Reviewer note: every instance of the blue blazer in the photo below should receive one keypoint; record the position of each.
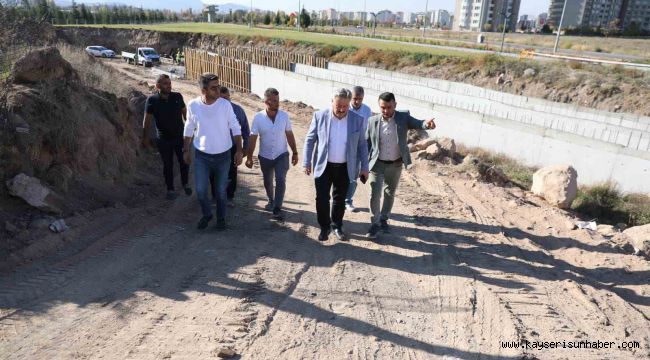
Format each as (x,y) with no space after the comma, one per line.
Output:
(316,144)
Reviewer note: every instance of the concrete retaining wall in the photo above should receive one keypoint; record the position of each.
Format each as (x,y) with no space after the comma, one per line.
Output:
(601,146)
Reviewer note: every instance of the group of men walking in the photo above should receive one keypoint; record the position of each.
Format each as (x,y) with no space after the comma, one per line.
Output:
(345,143)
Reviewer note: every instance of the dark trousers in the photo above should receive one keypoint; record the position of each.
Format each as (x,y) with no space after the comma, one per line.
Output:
(167,149)
(232,177)
(335,179)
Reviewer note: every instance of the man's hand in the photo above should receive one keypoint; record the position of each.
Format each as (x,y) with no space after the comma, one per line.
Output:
(238,158)
(187,156)
(363,175)
(430,124)
(294,159)
(249,162)
(307,171)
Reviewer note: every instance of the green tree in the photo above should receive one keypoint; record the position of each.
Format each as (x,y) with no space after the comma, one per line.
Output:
(267,18)
(43,10)
(59,16)
(278,19)
(83,13)
(75,15)
(633,30)
(305,19)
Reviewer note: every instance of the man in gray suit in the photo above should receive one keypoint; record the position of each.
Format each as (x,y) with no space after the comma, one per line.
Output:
(387,143)
(336,152)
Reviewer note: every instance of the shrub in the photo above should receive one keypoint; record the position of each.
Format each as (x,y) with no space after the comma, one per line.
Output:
(608,205)
(491,65)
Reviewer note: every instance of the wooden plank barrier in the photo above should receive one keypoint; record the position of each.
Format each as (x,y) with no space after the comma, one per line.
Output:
(232,64)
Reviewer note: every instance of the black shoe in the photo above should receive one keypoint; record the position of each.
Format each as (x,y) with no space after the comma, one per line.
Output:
(372,232)
(384,226)
(188,190)
(340,235)
(278,214)
(171,195)
(221,225)
(324,234)
(203,223)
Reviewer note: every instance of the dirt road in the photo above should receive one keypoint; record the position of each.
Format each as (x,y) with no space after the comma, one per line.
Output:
(467,266)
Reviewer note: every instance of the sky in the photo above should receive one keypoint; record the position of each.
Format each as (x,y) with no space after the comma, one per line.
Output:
(528,7)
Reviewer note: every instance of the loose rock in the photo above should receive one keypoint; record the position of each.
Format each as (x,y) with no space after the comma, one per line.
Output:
(558,185)
(35,193)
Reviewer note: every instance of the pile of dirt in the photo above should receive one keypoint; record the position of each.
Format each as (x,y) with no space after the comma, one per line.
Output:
(443,151)
(79,143)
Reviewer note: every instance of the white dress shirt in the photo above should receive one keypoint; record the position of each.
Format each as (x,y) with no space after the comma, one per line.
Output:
(338,140)
(211,125)
(273,134)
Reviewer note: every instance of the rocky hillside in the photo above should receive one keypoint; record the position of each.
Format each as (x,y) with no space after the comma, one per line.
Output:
(64,147)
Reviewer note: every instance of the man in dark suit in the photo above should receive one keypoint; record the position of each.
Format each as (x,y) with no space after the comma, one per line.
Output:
(336,152)
(387,144)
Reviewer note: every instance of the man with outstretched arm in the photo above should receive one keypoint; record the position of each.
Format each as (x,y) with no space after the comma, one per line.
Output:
(387,144)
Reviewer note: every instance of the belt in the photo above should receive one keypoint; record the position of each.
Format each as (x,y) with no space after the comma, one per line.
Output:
(337,164)
(390,162)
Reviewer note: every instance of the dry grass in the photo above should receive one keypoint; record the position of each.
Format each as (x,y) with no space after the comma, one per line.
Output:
(8,58)
(92,72)
(603,202)
(606,203)
(513,169)
(628,46)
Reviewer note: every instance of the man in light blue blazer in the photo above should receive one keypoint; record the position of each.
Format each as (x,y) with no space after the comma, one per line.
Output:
(336,152)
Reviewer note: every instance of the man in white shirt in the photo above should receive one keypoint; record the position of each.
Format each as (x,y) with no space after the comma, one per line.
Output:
(273,127)
(358,107)
(336,152)
(210,121)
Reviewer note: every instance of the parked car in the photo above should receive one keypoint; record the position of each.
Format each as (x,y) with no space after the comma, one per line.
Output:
(144,56)
(100,51)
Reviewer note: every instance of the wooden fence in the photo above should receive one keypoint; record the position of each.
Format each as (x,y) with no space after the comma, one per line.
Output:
(233,73)
(278,59)
(233,64)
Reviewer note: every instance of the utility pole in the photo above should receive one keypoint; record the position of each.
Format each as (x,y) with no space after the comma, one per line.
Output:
(559,28)
(506,17)
(426,14)
(364,17)
(250,16)
(299,16)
